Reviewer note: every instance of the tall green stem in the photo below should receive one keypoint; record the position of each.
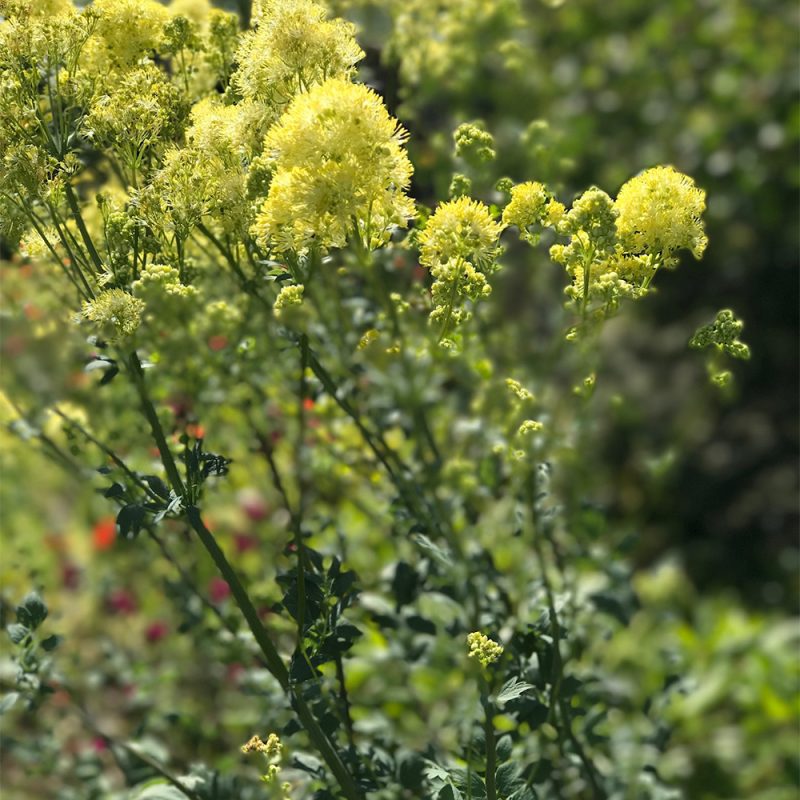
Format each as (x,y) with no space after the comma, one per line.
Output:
(273,659)
(491,749)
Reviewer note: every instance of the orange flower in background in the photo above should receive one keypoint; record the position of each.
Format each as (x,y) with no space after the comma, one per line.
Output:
(104,533)
(196,430)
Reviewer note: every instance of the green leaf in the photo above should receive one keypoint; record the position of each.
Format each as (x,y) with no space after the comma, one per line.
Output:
(17,633)
(513,689)
(449,792)
(157,486)
(508,778)
(160,791)
(51,642)
(525,793)
(431,549)
(8,702)
(130,520)
(32,611)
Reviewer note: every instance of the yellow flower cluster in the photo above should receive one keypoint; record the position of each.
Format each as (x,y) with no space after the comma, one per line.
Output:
(339,170)
(271,750)
(293,48)
(723,334)
(616,247)
(132,118)
(518,390)
(532,205)
(481,647)
(459,245)
(161,280)
(659,212)
(116,310)
(272,747)
(461,229)
(230,132)
(288,297)
(130,29)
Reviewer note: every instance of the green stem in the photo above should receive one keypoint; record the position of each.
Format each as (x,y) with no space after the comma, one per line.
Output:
(451,300)
(87,240)
(297,518)
(135,368)
(491,750)
(273,660)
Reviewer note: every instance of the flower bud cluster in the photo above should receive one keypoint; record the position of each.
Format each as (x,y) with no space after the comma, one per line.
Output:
(484,649)
(723,334)
(459,244)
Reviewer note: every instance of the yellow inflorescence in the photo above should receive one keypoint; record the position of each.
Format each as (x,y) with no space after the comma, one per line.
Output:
(340,169)
(486,650)
(660,211)
(116,309)
(293,48)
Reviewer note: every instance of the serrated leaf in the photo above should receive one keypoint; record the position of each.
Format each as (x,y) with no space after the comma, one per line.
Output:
(17,632)
(513,689)
(508,778)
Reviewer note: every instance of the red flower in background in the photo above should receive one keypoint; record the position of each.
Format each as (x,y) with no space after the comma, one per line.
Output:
(121,601)
(217,343)
(104,533)
(156,631)
(70,575)
(244,542)
(253,505)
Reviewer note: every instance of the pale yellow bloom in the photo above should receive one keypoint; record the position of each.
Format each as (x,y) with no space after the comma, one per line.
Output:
(660,211)
(340,169)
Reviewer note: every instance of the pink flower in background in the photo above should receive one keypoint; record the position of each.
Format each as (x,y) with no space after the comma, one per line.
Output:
(121,601)
(156,631)
(244,542)
(218,590)
(253,504)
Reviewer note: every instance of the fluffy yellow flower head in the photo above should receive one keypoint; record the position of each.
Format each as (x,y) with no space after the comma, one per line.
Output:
(459,245)
(130,28)
(340,168)
(227,131)
(293,48)
(660,211)
(532,205)
(115,309)
(142,109)
(461,229)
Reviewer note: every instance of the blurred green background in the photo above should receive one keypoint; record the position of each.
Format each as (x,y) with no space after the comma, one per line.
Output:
(580,93)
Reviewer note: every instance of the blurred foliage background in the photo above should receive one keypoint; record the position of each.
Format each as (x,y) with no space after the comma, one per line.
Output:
(580,93)
(700,486)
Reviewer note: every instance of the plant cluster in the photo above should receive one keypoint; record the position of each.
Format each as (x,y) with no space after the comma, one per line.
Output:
(222,229)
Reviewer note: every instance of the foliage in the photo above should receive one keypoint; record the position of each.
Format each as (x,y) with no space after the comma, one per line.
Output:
(336,504)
